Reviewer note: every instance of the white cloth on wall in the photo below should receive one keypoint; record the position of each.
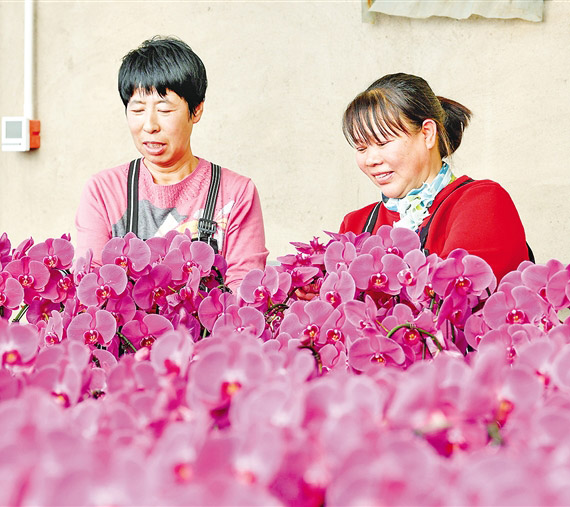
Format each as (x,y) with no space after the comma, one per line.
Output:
(529,10)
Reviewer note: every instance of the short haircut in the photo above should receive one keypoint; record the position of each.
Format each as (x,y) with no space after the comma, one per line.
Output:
(162,64)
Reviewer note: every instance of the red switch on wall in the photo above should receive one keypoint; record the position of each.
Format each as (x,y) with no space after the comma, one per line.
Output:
(34,134)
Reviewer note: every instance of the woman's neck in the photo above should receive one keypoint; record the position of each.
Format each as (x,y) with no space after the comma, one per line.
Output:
(172,174)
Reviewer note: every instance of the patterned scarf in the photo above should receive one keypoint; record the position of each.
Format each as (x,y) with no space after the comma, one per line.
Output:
(413,207)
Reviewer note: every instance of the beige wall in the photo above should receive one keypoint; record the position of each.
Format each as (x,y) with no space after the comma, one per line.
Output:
(280,76)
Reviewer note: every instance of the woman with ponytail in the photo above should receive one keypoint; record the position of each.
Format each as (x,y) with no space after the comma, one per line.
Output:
(403,134)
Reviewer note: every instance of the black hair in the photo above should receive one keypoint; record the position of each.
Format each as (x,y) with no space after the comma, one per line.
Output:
(401,103)
(162,64)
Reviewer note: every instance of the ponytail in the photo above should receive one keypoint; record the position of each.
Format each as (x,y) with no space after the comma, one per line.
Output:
(456,118)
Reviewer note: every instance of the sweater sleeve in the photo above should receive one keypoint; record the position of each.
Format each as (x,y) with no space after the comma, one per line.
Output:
(92,222)
(484,221)
(244,244)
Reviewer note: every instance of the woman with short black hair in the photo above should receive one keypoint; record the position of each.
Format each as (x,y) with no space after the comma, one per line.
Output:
(163,84)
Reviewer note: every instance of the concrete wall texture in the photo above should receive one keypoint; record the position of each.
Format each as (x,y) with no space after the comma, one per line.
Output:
(281,74)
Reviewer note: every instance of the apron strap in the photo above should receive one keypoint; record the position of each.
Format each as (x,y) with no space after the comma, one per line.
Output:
(133,196)
(206,225)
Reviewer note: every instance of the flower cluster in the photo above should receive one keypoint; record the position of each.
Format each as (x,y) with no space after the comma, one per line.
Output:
(356,372)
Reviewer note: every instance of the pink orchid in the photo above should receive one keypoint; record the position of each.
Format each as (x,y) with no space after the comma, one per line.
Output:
(54,253)
(339,255)
(338,288)
(32,275)
(18,344)
(372,351)
(301,276)
(93,327)
(398,240)
(223,366)
(558,289)
(308,321)
(516,305)
(463,274)
(214,305)
(95,289)
(265,288)
(11,291)
(60,371)
(185,256)
(53,331)
(416,275)
(152,289)
(5,247)
(142,332)
(122,308)
(83,266)
(171,353)
(21,250)
(376,272)
(129,253)
(239,321)
(41,310)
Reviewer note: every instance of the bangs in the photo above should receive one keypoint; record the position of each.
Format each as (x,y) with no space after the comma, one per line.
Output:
(371,119)
(150,77)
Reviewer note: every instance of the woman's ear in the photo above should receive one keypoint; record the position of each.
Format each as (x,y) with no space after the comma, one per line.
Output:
(198,113)
(429,131)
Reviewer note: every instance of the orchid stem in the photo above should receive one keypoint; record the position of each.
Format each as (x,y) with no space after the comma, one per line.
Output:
(21,313)
(126,340)
(419,330)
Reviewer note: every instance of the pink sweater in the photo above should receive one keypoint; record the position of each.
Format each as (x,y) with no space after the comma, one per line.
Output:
(241,239)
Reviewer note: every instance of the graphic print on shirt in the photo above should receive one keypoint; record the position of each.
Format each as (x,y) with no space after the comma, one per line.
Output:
(156,222)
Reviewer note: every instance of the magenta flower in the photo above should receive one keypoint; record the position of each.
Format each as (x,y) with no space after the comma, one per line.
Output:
(414,277)
(32,275)
(339,255)
(95,289)
(93,327)
(338,288)
(5,247)
(83,266)
(40,310)
(264,288)
(558,289)
(142,332)
(214,305)
(185,256)
(377,272)
(463,274)
(122,308)
(11,291)
(22,249)
(129,252)
(302,276)
(18,344)
(516,305)
(398,240)
(372,351)
(171,353)
(52,332)
(241,321)
(153,288)
(54,253)
(307,321)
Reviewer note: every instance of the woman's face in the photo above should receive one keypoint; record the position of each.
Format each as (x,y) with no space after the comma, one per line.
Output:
(399,163)
(161,128)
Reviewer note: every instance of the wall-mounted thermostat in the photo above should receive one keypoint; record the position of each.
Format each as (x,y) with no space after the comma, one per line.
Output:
(20,133)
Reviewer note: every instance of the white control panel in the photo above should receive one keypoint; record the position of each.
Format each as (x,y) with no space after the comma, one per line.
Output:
(15,133)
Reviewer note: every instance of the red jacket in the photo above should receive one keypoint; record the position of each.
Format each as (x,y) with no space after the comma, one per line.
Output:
(479,217)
